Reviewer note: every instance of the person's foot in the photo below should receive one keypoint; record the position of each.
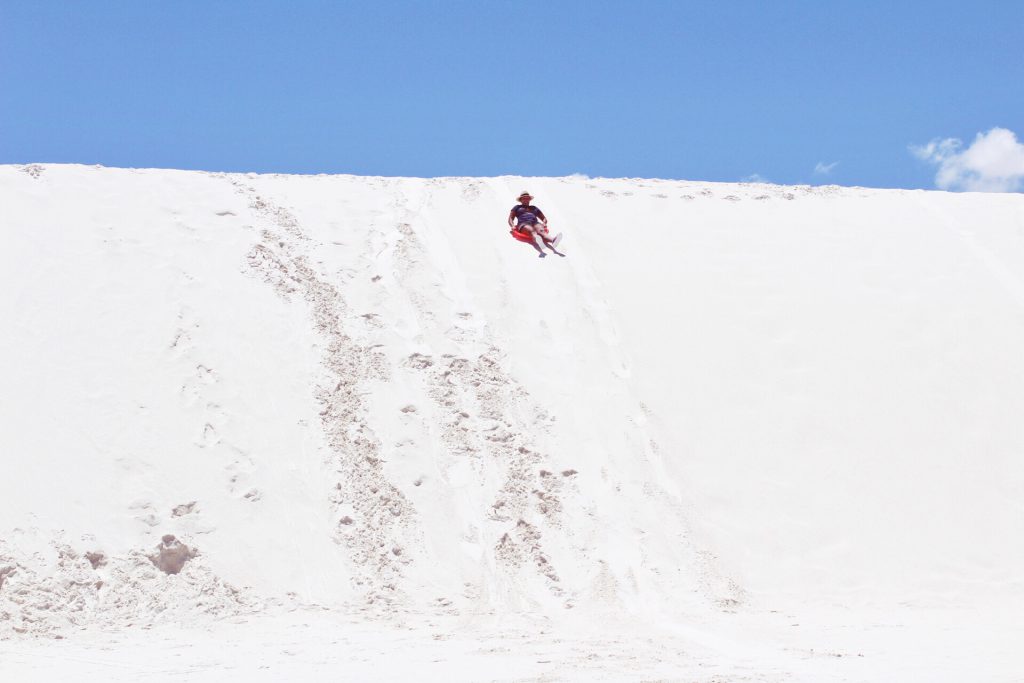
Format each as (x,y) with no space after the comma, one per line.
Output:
(541,255)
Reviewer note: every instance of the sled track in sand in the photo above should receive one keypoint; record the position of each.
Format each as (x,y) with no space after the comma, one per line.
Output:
(486,418)
(381,526)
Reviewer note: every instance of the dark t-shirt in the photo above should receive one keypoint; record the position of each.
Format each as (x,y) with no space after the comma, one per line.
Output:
(527,215)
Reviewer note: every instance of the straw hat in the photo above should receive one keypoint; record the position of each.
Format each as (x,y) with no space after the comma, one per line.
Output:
(524,194)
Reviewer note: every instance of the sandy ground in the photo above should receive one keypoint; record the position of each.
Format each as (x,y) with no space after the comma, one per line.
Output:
(325,645)
(322,426)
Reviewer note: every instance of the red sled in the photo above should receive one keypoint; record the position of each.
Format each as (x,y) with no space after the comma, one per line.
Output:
(524,236)
(521,235)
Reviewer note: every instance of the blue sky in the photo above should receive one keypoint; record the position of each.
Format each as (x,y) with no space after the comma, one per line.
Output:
(714,90)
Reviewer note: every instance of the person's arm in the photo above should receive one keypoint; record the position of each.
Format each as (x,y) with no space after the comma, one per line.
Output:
(541,216)
(511,216)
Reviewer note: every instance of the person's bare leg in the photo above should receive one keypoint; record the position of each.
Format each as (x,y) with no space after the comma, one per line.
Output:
(549,241)
(545,235)
(538,240)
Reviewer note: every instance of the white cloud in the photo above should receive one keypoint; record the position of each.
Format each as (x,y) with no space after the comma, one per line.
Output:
(824,169)
(754,178)
(993,163)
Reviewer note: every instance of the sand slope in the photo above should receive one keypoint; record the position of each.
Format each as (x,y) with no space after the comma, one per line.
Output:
(747,403)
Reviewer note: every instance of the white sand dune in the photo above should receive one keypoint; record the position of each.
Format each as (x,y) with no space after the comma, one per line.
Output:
(738,432)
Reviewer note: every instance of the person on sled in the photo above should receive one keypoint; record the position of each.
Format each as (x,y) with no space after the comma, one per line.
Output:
(527,218)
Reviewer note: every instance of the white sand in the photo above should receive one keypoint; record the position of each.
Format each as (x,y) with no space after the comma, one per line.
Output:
(740,432)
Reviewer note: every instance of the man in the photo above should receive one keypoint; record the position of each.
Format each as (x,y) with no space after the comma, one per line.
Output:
(530,219)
